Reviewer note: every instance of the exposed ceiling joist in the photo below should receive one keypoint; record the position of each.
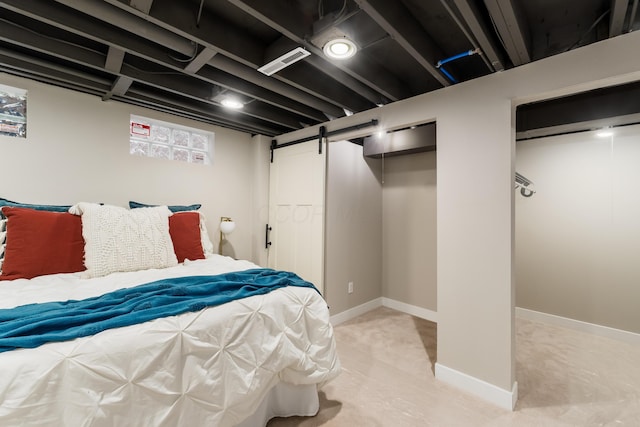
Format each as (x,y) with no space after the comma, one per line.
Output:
(115,56)
(513,29)
(143,6)
(119,88)
(160,35)
(632,16)
(181,18)
(200,60)
(30,39)
(481,34)
(183,108)
(55,74)
(467,33)
(235,68)
(47,12)
(278,16)
(190,88)
(127,74)
(267,95)
(396,20)
(616,17)
(215,34)
(319,65)
(136,25)
(345,96)
(182,57)
(121,85)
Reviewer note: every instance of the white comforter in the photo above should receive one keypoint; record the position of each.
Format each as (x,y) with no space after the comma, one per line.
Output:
(207,368)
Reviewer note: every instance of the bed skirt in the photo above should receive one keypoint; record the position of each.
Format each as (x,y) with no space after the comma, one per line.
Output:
(285,400)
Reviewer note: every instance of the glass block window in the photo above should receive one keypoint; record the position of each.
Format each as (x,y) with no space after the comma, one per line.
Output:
(163,140)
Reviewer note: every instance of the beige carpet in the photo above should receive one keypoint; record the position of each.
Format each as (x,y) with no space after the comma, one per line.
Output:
(565,378)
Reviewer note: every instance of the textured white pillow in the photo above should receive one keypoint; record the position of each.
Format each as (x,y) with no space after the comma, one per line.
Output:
(119,239)
(207,245)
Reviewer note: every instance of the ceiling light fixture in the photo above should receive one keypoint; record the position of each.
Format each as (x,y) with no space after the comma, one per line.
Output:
(340,48)
(232,103)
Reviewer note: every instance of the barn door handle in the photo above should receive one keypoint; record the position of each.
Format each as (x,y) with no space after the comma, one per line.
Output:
(267,243)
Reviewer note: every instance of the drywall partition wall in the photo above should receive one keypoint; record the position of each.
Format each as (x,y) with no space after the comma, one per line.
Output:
(578,237)
(353,232)
(474,211)
(77,149)
(475,199)
(409,230)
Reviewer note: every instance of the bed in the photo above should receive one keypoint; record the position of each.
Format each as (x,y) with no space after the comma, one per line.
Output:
(235,364)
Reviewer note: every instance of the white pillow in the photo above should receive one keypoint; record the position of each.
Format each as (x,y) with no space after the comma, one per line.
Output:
(207,244)
(119,239)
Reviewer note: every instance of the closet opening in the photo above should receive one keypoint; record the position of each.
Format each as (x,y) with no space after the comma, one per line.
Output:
(575,271)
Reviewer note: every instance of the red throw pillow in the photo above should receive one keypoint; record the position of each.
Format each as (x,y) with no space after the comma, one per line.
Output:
(184,228)
(41,242)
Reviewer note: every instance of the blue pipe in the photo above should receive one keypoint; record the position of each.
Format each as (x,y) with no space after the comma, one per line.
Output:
(453,58)
(448,75)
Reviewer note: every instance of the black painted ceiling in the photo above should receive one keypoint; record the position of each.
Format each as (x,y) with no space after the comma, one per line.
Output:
(183,56)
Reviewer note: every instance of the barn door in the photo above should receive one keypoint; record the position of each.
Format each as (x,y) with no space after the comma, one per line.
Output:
(296,211)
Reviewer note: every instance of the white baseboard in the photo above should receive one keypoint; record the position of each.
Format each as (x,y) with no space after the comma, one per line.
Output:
(500,397)
(413,310)
(577,325)
(355,311)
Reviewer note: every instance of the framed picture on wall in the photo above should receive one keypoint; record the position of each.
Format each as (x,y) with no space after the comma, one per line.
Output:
(13,111)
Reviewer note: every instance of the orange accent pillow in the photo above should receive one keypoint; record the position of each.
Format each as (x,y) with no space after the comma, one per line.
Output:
(41,242)
(184,228)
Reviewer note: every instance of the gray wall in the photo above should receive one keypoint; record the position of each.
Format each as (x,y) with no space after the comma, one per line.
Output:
(409,230)
(77,149)
(353,245)
(475,199)
(578,237)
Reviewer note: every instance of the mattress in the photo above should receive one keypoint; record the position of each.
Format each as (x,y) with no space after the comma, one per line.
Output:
(211,367)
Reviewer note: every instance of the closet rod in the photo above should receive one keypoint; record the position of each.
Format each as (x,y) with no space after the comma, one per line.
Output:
(524,183)
(520,179)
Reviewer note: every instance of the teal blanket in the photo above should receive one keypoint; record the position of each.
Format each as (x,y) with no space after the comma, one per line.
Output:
(32,325)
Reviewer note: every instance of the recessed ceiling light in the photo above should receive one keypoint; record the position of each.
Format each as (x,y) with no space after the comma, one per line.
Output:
(340,48)
(232,103)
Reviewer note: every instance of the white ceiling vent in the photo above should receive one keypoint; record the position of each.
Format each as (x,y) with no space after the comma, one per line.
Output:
(284,61)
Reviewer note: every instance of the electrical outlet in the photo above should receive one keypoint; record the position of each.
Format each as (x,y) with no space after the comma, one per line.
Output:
(350,287)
